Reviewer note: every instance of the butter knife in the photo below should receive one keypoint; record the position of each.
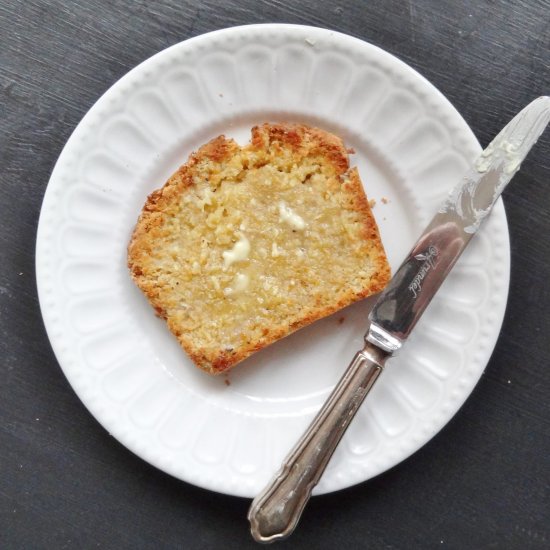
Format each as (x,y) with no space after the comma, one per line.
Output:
(275,512)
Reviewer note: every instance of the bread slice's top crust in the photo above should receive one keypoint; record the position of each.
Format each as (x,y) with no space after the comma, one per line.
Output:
(244,245)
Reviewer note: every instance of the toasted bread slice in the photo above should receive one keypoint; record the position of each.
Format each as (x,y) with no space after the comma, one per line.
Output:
(244,245)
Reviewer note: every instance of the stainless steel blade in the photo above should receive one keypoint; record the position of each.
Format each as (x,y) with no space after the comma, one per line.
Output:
(421,274)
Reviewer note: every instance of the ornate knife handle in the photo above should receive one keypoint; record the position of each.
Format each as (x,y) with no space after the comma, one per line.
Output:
(275,512)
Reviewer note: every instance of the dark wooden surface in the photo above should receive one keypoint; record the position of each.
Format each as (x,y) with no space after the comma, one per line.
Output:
(483,482)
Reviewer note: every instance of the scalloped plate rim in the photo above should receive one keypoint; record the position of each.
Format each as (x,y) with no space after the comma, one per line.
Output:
(56,339)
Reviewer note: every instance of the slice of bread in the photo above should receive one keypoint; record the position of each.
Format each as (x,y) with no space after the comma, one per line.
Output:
(244,245)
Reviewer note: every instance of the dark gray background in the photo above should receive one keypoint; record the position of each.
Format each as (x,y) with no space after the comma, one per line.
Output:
(483,482)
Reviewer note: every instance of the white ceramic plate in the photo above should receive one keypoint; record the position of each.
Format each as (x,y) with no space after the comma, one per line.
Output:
(411,146)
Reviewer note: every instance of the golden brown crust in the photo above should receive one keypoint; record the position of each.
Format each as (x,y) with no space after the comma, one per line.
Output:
(304,141)
(370,233)
(300,157)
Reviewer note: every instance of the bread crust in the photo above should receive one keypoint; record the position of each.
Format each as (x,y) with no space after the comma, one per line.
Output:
(269,143)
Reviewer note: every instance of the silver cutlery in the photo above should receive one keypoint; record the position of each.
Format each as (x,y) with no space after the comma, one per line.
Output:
(275,512)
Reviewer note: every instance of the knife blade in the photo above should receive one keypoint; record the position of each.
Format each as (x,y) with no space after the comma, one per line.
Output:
(419,277)
(275,512)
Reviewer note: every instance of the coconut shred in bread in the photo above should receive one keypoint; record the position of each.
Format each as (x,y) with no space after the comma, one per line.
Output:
(244,245)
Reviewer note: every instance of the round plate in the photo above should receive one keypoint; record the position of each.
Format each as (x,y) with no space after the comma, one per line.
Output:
(230,434)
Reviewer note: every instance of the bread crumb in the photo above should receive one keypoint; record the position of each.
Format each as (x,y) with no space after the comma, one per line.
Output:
(227,382)
(372,203)
(20,273)
(310,41)
(350,150)
(385,200)
(220,94)
(341,320)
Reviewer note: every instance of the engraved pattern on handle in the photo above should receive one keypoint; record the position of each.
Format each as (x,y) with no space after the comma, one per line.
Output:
(275,512)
